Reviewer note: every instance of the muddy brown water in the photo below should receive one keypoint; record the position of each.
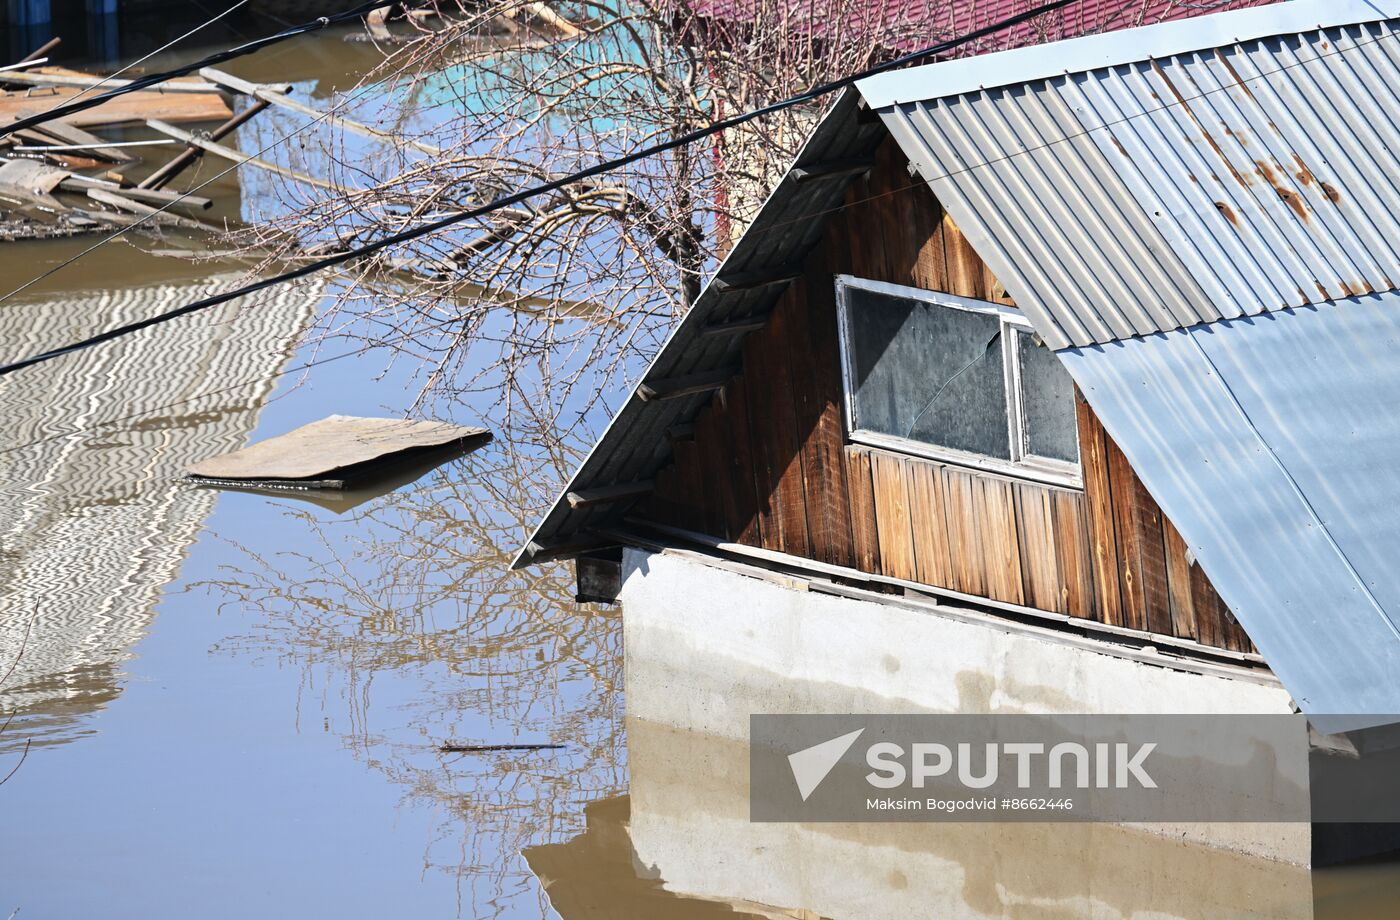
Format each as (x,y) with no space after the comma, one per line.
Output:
(231,704)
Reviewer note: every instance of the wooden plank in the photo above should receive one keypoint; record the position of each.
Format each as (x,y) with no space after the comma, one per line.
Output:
(235,156)
(691,487)
(1098,505)
(766,470)
(58,76)
(773,424)
(1152,559)
(892,523)
(924,485)
(739,326)
(1036,537)
(817,382)
(1073,557)
(710,435)
(965,278)
(1205,603)
(761,278)
(133,108)
(741,470)
(994,505)
(607,495)
(685,385)
(1127,536)
(784,454)
(921,212)
(1183,614)
(864,528)
(834,169)
(276,95)
(964,543)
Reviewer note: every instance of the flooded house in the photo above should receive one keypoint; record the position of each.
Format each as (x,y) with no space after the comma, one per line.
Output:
(1060,379)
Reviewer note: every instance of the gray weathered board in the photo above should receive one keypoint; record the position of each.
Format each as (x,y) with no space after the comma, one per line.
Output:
(337,452)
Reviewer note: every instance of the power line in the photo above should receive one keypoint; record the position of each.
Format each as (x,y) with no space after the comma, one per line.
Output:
(144,58)
(75,105)
(534,191)
(150,216)
(805,218)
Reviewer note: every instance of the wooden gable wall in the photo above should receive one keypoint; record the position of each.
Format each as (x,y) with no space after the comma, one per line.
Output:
(767,463)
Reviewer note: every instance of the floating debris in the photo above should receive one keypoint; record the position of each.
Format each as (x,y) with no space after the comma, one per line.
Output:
(337,453)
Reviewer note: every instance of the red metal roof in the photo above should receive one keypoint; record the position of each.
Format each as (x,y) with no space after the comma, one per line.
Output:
(906,25)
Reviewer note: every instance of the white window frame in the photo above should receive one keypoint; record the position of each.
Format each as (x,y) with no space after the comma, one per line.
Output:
(1022,464)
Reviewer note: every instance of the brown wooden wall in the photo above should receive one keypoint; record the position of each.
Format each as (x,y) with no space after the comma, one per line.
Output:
(768,464)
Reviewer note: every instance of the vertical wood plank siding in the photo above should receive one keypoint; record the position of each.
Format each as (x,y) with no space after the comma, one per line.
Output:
(768,464)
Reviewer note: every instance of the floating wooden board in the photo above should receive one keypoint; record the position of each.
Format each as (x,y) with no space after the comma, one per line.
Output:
(135,107)
(339,452)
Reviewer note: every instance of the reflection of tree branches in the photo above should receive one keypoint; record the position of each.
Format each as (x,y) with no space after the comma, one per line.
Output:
(23,643)
(413,590)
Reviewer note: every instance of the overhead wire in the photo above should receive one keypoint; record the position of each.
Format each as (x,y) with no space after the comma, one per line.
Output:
(136,63)
(518,197)
(806,217)
(75,105)
(156,212)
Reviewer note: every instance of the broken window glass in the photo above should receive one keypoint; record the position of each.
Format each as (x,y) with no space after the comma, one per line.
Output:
(937,370)
(928,373)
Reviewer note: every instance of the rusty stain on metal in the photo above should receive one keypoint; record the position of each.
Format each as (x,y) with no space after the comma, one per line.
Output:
(1229,212)
(1185,107)
(1234,74)
(1119,144)
(1331,192)
(1286,195)
(1323,291)
(1304,174)
(1347,290)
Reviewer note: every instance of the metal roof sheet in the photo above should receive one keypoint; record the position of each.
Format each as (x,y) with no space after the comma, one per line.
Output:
(1270,442)
(635,444)
(1182,173)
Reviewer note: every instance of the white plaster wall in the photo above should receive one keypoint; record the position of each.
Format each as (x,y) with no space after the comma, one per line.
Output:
(706,647)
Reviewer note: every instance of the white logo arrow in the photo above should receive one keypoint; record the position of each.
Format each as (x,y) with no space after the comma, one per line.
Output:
(811,765)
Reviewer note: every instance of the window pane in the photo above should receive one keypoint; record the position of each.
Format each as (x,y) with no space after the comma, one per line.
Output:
(1047,400)
(928,373)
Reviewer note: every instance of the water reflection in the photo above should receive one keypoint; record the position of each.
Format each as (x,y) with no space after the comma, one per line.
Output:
(92,525)
(409,632)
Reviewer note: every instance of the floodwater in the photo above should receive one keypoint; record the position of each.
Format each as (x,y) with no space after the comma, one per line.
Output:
(231,705)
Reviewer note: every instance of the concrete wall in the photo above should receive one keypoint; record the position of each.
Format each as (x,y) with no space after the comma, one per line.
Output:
(690,828)
(708,646)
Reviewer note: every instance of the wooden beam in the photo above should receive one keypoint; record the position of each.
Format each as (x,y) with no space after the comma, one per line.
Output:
(277,96)
(748,281)
(121,203)
(240,158)
(80,81)
(161,177)
(835,169)
(584,542)
(606,495)
(676,387)
(740,326)
(680,432)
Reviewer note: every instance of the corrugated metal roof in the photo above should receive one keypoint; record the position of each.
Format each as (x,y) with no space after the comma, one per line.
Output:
(789,224)
(1180,180)
(1271,443)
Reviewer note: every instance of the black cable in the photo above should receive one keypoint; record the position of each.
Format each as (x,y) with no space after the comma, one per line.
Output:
(518,197)
(220,57)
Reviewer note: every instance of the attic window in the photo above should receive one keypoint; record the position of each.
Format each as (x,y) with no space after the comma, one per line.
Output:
(965,381)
